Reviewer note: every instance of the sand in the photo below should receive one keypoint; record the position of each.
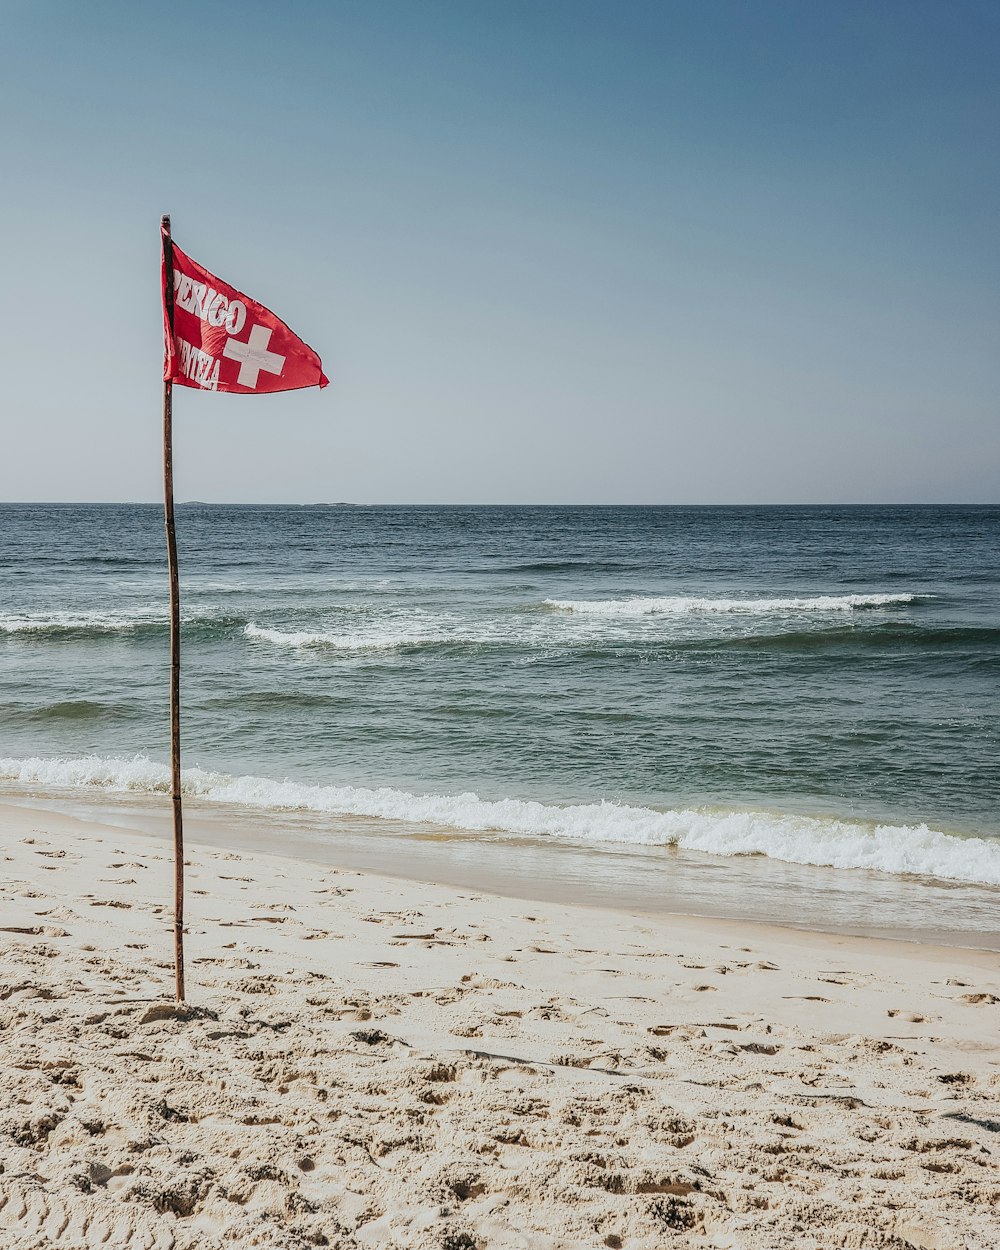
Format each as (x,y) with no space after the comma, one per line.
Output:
(369,1062)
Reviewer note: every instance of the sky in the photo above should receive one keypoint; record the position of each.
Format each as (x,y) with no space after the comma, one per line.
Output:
(686,251)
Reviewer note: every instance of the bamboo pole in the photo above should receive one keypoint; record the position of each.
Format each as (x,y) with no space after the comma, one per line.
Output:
(175,628)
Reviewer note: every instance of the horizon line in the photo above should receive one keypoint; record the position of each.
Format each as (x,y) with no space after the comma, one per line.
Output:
(286,503)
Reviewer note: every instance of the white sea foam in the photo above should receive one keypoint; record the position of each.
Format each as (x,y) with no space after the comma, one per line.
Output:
(394,630)
(379,639)
(680,605)
(796,839)
(75,622)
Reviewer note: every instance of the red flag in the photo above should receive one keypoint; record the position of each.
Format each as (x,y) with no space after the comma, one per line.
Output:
(224,341)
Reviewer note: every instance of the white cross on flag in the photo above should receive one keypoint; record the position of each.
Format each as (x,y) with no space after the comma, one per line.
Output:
(218,339)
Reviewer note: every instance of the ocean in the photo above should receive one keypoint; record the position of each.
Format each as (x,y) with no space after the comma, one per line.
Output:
(779,712)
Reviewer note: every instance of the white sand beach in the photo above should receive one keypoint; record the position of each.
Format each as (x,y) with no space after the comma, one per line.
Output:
(370,1062)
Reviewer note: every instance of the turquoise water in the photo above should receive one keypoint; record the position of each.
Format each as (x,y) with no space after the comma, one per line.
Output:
(816,685)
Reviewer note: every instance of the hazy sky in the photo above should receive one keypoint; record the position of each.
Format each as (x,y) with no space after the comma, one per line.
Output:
(678,251)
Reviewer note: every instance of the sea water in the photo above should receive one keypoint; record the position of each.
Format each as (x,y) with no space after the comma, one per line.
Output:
(786,706)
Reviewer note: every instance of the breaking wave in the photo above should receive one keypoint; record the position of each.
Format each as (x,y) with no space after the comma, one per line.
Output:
(81,626)
(78,624)
(827,842)
(394,631)
(330,640)
(680,605)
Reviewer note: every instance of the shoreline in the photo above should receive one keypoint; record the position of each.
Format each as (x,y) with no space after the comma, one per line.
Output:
(233,838)
(380,1062)
(635,881)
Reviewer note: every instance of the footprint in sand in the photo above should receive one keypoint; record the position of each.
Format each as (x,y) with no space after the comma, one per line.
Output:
(38,930)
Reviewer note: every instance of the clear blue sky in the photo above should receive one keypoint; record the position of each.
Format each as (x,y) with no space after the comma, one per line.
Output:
(698,251)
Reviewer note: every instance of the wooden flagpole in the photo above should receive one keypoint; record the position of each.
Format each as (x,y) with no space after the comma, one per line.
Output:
(175,627)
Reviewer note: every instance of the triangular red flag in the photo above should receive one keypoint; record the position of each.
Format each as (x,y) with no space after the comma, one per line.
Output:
(224,341)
